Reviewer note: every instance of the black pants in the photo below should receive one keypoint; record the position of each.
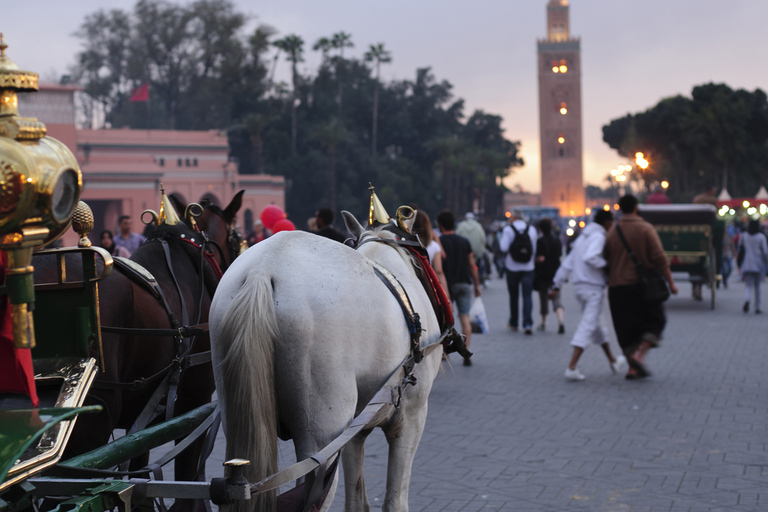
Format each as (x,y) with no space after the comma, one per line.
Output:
(634,319)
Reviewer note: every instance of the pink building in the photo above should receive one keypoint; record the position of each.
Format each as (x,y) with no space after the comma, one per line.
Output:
(123,168)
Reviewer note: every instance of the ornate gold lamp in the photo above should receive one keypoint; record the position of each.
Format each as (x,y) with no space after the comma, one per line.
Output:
(40,185)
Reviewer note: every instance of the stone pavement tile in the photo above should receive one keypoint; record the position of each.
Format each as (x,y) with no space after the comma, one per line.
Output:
(750,499)
(710,499)
(739,484)
(680,507)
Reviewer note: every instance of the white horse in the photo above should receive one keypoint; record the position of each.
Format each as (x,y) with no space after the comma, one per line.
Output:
(303,335)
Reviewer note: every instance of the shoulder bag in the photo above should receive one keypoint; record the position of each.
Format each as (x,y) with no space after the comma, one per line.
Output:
(653,284)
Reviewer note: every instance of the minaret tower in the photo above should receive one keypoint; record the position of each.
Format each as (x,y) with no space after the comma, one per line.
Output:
(559,62)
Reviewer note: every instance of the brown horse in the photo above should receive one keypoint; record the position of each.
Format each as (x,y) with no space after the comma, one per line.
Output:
(135,365)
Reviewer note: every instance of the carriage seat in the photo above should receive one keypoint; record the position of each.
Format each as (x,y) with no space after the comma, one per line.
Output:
(137,274)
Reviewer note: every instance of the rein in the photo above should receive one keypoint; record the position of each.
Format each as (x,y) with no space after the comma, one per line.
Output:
(183,334)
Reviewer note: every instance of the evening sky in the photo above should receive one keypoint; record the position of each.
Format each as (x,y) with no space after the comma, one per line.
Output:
(634,52)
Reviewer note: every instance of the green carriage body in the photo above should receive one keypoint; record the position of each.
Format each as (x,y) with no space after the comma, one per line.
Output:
(691,235)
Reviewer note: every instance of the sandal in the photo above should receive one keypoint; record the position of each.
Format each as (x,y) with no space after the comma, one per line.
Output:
(636,365)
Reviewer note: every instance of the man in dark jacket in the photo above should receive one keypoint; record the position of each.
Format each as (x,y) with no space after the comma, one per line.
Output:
(324,221)
(638,323)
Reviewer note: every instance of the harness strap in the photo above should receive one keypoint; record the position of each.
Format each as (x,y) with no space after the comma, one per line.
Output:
(409,243)
(185,331)
(412,318)
(440,302)
(208,255)
(188,362)
(181,343)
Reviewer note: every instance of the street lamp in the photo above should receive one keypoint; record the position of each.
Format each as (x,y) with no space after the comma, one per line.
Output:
(620,177)
(641,161)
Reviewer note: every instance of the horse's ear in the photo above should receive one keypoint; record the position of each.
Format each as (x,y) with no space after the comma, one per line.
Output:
(234,206)
(353,226)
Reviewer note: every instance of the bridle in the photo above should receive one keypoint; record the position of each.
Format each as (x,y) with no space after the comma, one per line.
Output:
(233,241)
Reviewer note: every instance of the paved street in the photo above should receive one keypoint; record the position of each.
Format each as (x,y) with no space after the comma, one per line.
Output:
(510,433)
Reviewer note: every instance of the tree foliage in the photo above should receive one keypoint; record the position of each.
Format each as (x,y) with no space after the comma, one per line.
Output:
(199,69)
(718,136)
(330,133)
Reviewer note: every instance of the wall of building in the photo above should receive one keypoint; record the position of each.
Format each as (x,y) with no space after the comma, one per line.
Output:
(123,168)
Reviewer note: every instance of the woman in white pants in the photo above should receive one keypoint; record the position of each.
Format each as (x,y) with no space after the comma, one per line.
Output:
(753,253)
(586,265)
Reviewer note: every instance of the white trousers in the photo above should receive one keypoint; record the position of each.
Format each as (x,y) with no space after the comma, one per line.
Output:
(591,328)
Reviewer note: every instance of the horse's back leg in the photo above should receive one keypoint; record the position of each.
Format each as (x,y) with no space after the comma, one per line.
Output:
(355,495)
(404,432)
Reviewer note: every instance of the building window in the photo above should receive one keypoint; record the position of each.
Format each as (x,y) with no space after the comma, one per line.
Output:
(162,162)
(178,162)
(194,162)
(562,152)
(187,162)
(560,66)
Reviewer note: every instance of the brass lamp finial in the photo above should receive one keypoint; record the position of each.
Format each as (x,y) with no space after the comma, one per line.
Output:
(3,46)
(82,223)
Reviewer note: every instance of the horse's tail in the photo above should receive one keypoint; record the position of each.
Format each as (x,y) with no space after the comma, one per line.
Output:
(248,333)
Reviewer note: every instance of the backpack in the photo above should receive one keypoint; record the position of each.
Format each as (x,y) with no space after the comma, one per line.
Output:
(521,249)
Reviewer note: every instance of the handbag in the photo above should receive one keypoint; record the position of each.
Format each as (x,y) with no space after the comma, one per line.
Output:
(653,284)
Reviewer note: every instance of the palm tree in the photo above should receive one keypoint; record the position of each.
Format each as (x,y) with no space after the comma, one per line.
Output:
(340,41)
(323,45)
(256,124)
(293,46)
(329,136)
(379,55)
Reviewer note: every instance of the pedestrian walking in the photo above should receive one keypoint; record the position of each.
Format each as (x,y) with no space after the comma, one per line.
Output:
(460,271)
(638,323)
(753,254)
(549,249)
(586,266)
(473,231)
(422,227)
(518,241)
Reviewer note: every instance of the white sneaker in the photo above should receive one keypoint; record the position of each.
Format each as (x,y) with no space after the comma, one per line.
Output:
(620,365)
(573,374)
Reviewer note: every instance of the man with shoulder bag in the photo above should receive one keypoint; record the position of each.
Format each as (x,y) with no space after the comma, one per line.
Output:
(637,265)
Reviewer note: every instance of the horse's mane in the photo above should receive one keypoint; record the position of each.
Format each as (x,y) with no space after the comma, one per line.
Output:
(173,234)
(168,232)
(385,233)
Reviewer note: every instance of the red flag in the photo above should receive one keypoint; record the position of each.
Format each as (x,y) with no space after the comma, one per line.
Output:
(140,94)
